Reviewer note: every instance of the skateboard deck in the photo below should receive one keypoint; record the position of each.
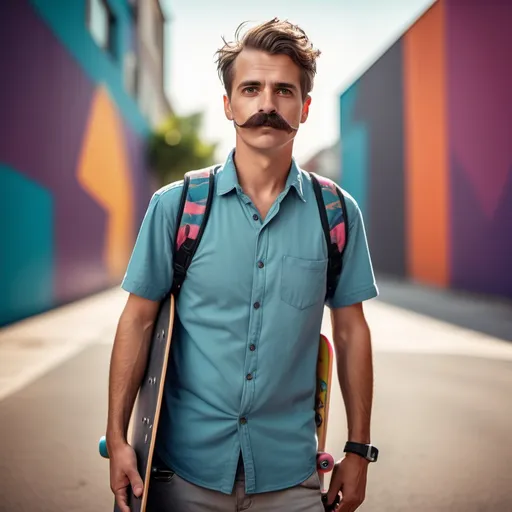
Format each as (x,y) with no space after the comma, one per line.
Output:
(325,461)
(323,389)
(146,409)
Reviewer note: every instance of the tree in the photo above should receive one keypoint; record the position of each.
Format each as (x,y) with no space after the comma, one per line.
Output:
(176,147)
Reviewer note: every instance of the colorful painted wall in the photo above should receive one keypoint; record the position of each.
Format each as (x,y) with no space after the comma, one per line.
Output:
(73,182)
(426,149)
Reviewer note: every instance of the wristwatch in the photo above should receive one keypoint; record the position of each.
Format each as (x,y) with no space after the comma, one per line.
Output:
(367,451)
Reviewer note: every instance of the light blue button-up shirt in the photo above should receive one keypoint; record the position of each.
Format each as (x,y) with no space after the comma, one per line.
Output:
(243,357)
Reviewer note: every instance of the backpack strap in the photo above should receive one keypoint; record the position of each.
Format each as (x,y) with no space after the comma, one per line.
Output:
(195,205)
(333,215)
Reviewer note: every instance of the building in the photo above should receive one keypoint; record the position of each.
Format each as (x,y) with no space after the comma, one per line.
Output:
(149,60)
(82,86)
(426,149)
(325,162)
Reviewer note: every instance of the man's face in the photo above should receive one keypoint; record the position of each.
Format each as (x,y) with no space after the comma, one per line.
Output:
(264,83)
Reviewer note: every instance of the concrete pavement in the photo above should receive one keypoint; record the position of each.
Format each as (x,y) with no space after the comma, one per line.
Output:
(481,313)
(441,416)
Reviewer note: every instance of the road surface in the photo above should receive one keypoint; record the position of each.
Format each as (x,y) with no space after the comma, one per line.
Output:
(442,413)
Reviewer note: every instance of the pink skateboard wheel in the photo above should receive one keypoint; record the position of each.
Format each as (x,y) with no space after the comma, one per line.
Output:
(324,462)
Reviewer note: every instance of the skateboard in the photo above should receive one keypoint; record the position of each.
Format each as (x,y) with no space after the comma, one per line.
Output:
(144,420)
(324,460)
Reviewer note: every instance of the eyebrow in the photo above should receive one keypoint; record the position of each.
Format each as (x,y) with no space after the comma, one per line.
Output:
(252,83)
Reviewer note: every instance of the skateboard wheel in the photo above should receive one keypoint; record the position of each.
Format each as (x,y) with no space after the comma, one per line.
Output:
(324,462)
(103,447)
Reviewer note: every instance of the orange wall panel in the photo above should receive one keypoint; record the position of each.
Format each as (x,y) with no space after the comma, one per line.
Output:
(426,157)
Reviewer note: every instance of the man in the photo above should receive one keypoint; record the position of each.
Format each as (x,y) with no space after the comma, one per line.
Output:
(237,427)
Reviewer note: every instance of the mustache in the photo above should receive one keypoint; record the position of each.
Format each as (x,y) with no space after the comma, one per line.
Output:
(272,119)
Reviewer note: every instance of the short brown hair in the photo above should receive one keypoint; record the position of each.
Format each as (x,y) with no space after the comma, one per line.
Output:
(274,37)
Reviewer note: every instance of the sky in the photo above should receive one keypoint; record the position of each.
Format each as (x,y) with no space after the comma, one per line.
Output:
(351,35)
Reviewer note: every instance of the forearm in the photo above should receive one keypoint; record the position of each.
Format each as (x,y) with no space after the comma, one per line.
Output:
(355,373)
(128,362)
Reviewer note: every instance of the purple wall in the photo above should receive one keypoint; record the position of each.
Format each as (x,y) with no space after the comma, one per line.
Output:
(49,92)
(479,45)
(444,217)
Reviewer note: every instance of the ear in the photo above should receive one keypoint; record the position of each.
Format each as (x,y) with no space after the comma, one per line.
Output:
(227,108)
(305,109)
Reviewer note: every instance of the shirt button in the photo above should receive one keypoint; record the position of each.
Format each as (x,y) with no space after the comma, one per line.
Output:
(243,421)
(261,264)
(256,305)
(249,377)
(252,348)
(255,217)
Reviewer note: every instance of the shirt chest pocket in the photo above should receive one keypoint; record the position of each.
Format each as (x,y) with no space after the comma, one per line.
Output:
(303,282)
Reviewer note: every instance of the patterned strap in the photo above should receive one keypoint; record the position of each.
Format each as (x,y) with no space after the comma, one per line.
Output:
(335,210)
(333,214)
(195,205)
(194,212)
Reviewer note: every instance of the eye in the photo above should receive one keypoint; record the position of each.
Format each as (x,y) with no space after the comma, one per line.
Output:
(249,90)
(283,90)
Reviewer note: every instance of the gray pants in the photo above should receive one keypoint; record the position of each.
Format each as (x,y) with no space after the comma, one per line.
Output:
(177,495)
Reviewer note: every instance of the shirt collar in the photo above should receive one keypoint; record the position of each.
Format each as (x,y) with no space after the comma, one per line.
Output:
(228,179)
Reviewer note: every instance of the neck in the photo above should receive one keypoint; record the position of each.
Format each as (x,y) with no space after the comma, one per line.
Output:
(262,172)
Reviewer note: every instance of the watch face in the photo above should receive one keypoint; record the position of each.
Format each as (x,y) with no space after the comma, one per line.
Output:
(374,454)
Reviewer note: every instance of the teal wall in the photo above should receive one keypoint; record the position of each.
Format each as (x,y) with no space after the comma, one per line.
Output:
(354,149)
(29,256)
(66,18)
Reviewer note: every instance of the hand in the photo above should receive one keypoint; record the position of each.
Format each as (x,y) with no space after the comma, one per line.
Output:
(348,477)
(124,473)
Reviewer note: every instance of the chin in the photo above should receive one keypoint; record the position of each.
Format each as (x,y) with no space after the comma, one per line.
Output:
(268,141)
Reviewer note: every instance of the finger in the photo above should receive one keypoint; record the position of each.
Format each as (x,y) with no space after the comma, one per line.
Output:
(135,482)
(345,507)
(332,507)
(334,486)
(348,505)
(122,500)
(331,495)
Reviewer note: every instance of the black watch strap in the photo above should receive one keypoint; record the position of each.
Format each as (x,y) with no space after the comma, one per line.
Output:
(367,451)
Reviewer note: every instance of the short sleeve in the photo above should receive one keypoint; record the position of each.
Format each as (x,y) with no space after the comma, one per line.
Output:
(150,269)
(357,280)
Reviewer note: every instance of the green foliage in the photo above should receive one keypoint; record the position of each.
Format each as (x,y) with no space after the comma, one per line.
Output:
(176,147)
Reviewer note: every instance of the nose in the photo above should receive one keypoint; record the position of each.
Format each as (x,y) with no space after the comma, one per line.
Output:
(267,101)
